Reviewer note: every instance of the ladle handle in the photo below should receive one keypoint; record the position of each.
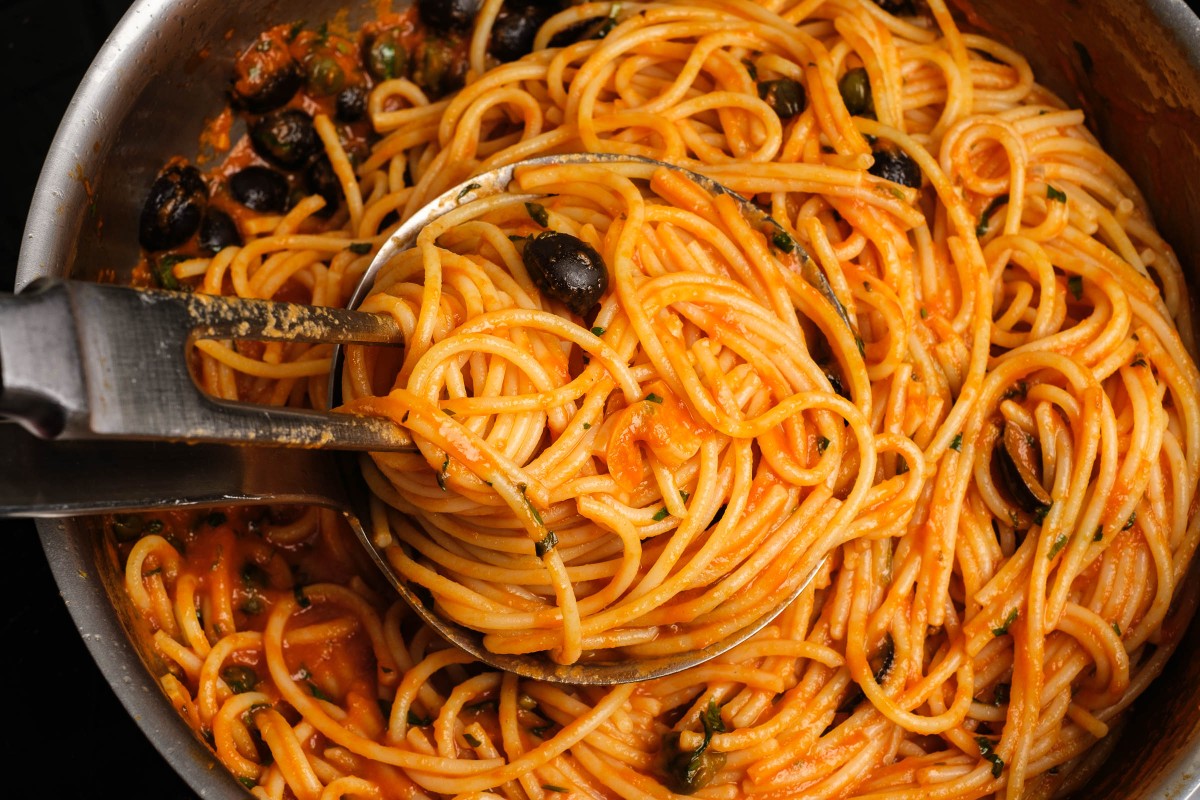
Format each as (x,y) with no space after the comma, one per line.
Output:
(68,478)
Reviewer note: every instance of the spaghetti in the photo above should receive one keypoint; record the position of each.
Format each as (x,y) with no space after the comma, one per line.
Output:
(1002,469)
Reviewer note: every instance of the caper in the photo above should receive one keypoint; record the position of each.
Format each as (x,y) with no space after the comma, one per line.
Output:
(285,138)
(895,165)
(855,88)
(385,55)
(265,75)
(566,269)
(324,75)
(785,96)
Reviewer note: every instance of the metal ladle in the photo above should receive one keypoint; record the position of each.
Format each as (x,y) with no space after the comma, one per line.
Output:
(106,417)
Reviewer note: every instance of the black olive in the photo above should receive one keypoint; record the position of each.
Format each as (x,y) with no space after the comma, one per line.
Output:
(855,88)
(386,55)
(320,179)
(285,138)
(899,8)
(595,28)
(897,166)
(260,189)
(566,269)
(352,103)
(785,96)
(438,69)
(1019,459)
(217,232)
(688,771)
(266,76)
(445,16)
(514,32)
(173,209)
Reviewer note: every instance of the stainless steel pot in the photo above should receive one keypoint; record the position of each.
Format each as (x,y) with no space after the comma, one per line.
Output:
(1133,66)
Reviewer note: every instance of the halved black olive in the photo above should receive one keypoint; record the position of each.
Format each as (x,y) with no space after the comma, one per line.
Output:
(285,138)
(386,55)
(566,269)
(895,165)
(514,31)
(855,89)
(173,208)
(260,189)
(320,179)
(445,16)
(217,232)
(352,103)
(785,96)
(266,76)
(1020,460)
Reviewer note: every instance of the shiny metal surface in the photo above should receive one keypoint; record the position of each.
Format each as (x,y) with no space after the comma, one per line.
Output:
(1134,67)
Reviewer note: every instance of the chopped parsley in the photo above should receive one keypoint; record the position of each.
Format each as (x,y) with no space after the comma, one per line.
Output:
(985,750)
(598,331)
(782,240)
(822,444)
(1075,284)
(986,217)
(1099,534)
(1009,620)
(546,545)
(360,248)
(418,721)
(470,187)
(1138,361)
(1056,195)
(1129,522)
(1058,545)
(653,398)
(661,514)
(956,443)
(472,740)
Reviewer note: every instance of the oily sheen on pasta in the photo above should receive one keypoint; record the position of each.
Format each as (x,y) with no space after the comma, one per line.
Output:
(997,463)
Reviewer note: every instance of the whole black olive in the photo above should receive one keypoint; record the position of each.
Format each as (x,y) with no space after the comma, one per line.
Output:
(352,103)
(893,164)
(445,16)
(260,189)
(566,269)
(285,138)
(218,231)
(265,75)
(386,55)
(173,208)
(320,179)
(514,32)
(785,96)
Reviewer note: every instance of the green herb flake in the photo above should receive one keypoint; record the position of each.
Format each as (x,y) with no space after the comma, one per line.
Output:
(249,783)
(985,218)
(550,787)
(164,271)
(317,693)
(540,731)
(1056,195)
(466,190)
(472,740)
(1099,534)
(533,512)
(1116,626)
(538,214)
(1058,545)
(154,526)
(985,750)
(661,514)
(684,495)
(956,443)
(783,241)
(822,444)
(587,426)
(441,476)
(1039,514)
(1075,284)
(1129,522)
(1009,620)
(417,721)
(360,248)
(653,398)
(1001,694)
(546,545)
(301,597)
(598,331)
(1138,361)
(924,313)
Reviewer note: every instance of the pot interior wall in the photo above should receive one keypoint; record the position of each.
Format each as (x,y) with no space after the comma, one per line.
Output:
(1133,67)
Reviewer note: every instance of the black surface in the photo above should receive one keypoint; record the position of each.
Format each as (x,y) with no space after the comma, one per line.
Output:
(65,708)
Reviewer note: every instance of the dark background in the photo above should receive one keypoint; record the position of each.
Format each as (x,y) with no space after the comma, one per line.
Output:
(63,706)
